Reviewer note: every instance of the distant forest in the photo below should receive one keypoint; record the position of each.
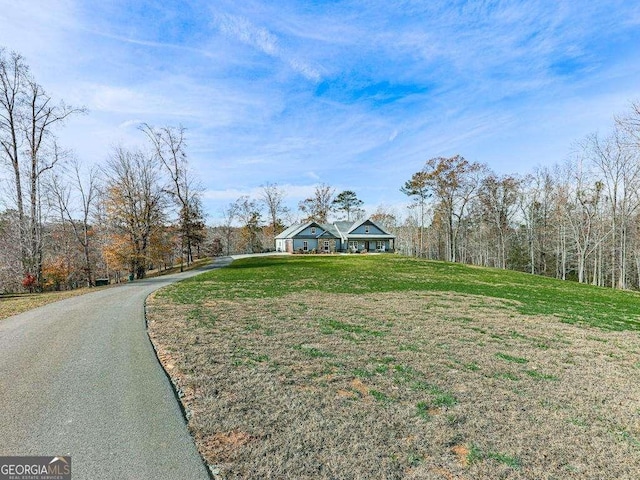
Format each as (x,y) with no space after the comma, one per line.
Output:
(64,224)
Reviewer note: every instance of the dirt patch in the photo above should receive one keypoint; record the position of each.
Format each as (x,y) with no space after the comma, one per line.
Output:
(223,447)
(360,387)
(401,385)
(462,454)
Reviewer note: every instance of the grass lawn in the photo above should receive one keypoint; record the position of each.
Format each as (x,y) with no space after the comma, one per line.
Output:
(384,366)
(13,304)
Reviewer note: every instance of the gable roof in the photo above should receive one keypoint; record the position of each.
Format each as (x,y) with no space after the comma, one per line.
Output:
(343,228)
(294,230)
(340,229)
(346,228)
(368,220)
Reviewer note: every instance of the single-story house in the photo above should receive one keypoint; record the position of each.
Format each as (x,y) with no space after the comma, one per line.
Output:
(363,235)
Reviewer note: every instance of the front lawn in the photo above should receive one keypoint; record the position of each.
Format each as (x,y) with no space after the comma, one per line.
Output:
(392,367)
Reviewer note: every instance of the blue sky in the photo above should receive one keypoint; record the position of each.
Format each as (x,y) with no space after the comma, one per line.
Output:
(355,94)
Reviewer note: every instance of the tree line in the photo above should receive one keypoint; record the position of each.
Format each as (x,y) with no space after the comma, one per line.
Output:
(64,224)
(250,225)
(576,220)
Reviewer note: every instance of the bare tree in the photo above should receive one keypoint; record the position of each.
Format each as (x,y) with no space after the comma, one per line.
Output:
(74,190)
(418,188)
(537,206)
(318,207)
(229,216)
(272,197)
(28,117)
(170,148)
(498,197)
(454,181)
(620,169)
(385,217)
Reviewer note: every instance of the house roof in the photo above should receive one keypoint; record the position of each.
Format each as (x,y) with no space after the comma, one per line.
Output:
(346,229)
(341,229)
(292,230)
(329,228)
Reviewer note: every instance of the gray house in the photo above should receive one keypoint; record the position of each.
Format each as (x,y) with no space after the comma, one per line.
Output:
(363,235)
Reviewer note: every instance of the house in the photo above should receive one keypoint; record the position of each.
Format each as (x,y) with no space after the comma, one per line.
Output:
(363,235)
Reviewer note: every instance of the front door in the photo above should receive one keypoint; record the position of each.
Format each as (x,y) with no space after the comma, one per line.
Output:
(326,245)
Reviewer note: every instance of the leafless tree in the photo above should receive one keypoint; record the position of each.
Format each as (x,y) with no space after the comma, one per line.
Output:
(318,207)
(454,182)
(272,197)
(418,189)
(619,167)
(229,216)
(498,196)
(28,117)
(169,145)
(74,196)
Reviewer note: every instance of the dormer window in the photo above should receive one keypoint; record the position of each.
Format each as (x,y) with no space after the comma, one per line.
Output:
(313,230)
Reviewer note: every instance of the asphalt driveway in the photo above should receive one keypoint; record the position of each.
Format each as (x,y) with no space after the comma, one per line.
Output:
(79,377)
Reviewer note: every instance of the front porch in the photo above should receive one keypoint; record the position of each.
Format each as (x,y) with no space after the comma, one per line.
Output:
(355,245)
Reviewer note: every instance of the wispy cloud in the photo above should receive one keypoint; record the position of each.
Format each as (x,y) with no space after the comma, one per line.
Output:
(354,94)
(264,41)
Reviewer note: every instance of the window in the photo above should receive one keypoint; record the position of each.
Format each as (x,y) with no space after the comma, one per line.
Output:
(305,246)
(379,245)
(366,229)
(313,230)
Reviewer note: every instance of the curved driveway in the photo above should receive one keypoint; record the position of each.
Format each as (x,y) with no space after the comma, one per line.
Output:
(79,377)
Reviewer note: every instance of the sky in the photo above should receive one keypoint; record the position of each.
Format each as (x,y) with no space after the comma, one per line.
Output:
(353,94)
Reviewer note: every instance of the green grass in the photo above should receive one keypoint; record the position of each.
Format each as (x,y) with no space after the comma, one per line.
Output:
(511,358)
(380,397)
(422,410)
(476,455)
(540,376)
(330,325)
(313,352)
(276,276)
(389,366)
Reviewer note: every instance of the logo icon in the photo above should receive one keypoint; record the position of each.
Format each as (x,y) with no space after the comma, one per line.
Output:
(35,468)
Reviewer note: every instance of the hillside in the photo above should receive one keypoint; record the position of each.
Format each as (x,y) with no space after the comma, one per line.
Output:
(393,367)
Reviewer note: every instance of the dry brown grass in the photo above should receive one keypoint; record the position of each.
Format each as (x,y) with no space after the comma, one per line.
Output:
(18,303)
(400,385)
(14,304)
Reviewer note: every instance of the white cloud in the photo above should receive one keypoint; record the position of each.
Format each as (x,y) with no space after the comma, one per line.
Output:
(264,41)
(354,95)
